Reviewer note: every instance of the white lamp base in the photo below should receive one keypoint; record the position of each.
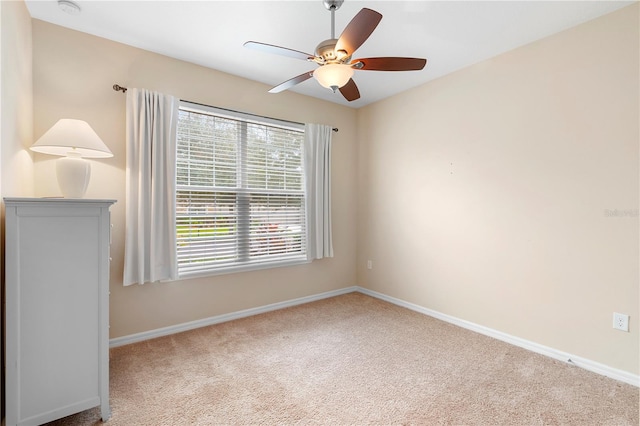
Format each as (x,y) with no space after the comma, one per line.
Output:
(73,174)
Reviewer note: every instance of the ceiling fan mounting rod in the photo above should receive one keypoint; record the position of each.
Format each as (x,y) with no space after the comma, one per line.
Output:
(333,23)
(332,6)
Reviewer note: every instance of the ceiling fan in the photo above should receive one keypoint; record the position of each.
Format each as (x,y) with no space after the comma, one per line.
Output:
(334,55)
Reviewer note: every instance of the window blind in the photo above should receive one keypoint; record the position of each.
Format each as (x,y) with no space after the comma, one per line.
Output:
(240,200)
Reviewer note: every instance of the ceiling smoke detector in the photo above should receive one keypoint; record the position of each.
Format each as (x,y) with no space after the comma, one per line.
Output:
(69,7)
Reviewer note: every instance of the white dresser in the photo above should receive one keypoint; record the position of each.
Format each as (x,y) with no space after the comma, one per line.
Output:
(57,308)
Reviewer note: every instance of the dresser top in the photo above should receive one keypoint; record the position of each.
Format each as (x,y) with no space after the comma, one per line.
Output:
(27,201)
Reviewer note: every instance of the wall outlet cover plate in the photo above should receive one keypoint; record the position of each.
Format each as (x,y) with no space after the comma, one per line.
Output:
(620,321)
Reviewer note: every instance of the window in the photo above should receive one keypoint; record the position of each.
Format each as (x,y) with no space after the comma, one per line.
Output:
(240,201)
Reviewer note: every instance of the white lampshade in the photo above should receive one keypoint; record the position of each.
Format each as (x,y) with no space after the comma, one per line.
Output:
(333,76)
(72,139)
(72,135)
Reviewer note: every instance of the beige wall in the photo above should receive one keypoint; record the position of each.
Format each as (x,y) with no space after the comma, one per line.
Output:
(16,126)
(485,194)
(73,74)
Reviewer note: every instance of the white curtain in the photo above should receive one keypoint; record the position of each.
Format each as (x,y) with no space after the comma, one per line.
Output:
(317,157)
(150,236)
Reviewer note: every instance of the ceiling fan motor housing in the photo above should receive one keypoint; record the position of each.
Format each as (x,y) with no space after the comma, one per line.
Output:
(327,51)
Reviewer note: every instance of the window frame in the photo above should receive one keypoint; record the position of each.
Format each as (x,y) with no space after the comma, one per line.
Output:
(248,265)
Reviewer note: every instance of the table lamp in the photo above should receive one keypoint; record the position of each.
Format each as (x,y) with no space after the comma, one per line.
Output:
(72,139)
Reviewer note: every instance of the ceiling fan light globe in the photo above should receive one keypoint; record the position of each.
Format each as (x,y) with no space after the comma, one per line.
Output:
(333,75)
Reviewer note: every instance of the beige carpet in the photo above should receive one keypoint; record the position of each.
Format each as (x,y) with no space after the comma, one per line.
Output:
(351,360)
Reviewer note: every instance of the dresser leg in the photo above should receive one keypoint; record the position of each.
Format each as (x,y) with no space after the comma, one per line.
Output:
(105,412)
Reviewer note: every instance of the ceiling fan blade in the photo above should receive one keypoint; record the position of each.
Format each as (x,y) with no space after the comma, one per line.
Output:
(291,82)
(350,91)
(358,30)
(389,64)
(277,50)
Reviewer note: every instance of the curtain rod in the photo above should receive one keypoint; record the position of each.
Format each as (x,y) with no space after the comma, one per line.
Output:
(119,88)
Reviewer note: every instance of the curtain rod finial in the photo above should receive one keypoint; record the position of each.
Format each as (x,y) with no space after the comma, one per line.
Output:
(119,88)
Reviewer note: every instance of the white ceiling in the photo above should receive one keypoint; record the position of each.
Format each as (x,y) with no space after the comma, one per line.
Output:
(450,34)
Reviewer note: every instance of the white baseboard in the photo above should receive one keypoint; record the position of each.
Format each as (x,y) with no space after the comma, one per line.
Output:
(587,364)
(178,328)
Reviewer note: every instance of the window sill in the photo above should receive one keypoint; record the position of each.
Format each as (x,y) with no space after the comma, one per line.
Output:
(243,268)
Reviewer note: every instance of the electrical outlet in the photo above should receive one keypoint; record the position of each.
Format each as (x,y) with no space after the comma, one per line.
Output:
(620,321)
(369,264)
